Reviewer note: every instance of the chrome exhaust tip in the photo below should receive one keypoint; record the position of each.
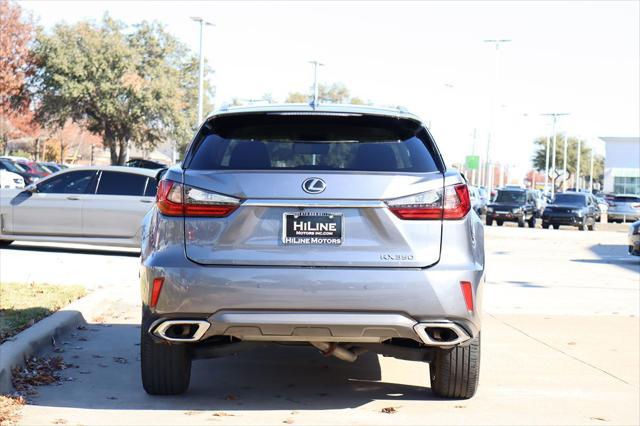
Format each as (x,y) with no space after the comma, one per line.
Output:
(181,330)
(444,334)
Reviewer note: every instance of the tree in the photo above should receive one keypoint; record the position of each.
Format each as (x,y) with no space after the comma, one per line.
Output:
(336,93)
(539,159)
(297,98)
(16,67)
(136,85)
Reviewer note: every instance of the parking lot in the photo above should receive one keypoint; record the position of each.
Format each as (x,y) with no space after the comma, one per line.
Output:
(560,345)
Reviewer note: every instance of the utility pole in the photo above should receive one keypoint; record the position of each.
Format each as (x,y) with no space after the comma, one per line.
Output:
(489,174)
(564,165)
(578,167)
(314,100)
(591,174)
(546,166)
(555,116)
(202,23)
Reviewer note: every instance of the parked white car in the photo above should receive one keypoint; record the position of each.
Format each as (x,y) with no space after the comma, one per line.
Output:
(89,205)
(10,180)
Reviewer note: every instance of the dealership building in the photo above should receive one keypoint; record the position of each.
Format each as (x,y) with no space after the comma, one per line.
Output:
(622,165)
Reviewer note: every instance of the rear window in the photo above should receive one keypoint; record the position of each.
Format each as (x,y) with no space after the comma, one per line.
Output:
(277,142)
(118,183)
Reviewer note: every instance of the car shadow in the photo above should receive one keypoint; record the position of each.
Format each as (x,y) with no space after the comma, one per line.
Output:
(72,250)
(613,254)
(105,374)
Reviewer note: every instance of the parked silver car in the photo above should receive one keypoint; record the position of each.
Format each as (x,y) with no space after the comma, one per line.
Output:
(335,226)
(623,208)
(89,205)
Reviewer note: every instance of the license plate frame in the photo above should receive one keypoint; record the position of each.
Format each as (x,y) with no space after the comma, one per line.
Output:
(313,233)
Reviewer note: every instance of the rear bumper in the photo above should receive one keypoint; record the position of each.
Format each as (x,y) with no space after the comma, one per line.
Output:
(319,303)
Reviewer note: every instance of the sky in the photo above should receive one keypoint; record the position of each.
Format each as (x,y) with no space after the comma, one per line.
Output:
(576,57)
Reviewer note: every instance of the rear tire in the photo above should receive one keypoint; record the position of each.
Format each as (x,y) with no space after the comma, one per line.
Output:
(165,368)
(489,222)
(455,372)
(556,226)
(499,222)
(521,222)
(545,225)
(592,227)
(532,222)
(5,243)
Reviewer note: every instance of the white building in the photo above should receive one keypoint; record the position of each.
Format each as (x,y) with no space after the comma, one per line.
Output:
(622,165)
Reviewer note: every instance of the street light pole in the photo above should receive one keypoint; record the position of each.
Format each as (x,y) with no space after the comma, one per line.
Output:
(591,173)
(316,64)
(202,23)
(564,163)
(578,166)
(546,166)
(494,101)
(555,116)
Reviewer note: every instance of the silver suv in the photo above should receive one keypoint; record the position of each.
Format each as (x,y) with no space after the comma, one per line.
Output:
(337,227)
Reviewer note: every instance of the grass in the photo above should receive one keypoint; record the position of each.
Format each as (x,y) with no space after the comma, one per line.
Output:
(23,304)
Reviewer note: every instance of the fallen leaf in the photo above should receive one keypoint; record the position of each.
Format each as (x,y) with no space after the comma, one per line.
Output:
(231,397)
(388,410)
(190,413)
(460,406)
(120,360)
(602,419)
(571,343)
(59,422)
(37,372)
(288,421)
(112,397)
(222,414)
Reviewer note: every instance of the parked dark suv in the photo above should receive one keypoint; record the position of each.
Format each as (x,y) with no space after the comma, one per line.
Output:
(513,205)
(572,209)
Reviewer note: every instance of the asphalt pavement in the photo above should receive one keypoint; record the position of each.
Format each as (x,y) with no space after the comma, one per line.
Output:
(560,346)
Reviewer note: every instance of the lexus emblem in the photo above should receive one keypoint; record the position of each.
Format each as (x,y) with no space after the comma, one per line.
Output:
(313,185)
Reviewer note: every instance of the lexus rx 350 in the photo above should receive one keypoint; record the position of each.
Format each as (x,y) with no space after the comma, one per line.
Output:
(338,227)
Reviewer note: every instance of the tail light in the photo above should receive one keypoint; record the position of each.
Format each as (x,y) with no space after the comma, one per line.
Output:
(449,203)
(175,199)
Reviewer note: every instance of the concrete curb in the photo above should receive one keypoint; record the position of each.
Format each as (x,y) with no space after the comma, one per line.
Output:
(35,338)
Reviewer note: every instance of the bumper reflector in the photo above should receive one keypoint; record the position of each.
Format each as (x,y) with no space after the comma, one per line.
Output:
(155,291)
(467,292)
